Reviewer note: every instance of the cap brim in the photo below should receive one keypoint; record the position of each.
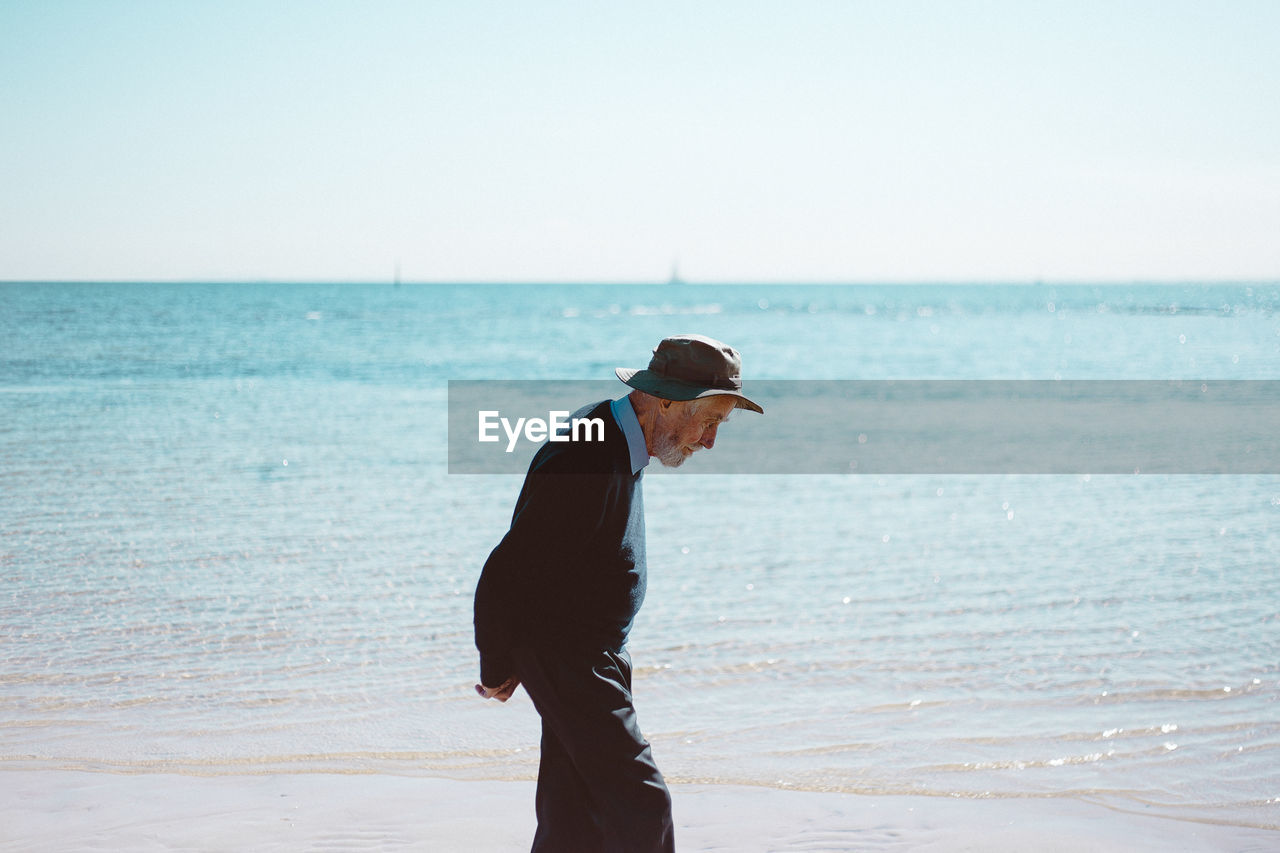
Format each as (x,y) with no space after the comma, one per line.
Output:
(673,389)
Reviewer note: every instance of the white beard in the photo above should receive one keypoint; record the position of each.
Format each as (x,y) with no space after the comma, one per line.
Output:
(668,452)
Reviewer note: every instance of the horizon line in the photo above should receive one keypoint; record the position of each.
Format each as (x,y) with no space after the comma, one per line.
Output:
(960,282)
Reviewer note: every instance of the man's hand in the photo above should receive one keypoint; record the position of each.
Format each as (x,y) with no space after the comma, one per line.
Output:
(502,692)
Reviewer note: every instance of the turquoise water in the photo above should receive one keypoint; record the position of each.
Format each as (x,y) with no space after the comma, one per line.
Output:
(228,543)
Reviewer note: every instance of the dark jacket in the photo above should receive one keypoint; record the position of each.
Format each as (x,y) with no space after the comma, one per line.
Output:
(571,570)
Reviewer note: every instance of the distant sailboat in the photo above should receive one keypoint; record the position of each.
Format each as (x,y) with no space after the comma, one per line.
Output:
(675,274)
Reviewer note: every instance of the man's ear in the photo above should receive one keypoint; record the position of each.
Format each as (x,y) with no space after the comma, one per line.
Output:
(666,404)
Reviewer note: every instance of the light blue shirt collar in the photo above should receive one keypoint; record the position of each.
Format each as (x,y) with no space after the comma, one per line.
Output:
(625,414)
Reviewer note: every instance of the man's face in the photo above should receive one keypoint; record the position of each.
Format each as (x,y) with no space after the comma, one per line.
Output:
(686,427)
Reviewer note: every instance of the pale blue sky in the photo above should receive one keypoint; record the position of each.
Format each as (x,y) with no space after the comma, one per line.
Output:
(841,141)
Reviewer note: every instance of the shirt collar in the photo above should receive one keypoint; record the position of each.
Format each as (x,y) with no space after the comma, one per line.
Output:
(625,414)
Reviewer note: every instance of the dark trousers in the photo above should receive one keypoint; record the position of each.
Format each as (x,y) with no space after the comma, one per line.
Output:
(598,787)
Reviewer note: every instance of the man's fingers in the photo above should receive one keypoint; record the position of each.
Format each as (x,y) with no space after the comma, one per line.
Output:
(502,692)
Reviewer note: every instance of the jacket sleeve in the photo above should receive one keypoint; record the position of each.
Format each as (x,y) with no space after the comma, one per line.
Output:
(493,627)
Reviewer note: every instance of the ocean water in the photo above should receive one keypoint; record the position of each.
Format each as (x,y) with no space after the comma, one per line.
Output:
(229,543)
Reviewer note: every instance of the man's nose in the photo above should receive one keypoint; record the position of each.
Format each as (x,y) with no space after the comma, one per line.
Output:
(709,437)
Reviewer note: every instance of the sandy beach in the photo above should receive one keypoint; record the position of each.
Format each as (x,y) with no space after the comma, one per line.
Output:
(60,810)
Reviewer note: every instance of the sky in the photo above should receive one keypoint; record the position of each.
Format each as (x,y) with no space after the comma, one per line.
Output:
(548,141)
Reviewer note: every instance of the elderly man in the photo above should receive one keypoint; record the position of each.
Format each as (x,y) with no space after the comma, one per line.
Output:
(559,593)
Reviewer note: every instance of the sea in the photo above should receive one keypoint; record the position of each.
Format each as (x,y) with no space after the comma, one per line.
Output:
(231,543)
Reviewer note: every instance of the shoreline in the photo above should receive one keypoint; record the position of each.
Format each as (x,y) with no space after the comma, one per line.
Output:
(64,810)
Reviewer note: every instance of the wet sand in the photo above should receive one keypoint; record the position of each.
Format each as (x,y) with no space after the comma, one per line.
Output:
(64,810)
